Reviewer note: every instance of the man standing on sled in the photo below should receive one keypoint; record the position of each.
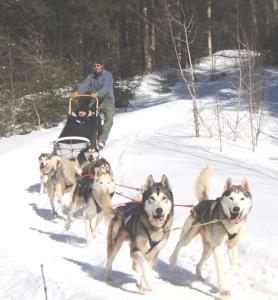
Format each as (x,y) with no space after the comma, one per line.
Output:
(100,84)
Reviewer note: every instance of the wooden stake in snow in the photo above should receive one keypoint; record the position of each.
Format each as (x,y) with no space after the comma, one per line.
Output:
(44,284)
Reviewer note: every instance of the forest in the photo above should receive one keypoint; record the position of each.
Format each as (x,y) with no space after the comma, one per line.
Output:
(47,47)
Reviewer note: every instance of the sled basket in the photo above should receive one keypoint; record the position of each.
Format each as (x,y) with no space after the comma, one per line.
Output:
(70,146)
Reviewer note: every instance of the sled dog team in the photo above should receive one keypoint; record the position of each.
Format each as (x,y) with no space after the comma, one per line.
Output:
(147,225)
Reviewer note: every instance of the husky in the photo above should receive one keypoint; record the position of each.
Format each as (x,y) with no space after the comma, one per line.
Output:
(62,177)
(146,226)
(64,172)
(100,165)
(44,159)
(219,222)
(92,194)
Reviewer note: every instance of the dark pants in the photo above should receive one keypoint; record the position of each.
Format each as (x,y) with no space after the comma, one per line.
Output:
(108,110)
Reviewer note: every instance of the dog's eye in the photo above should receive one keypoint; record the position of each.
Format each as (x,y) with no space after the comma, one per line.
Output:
(164,198)
(231,198)
(152,198)
(242,199)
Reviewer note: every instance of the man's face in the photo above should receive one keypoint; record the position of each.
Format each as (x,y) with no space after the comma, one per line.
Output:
(97,68)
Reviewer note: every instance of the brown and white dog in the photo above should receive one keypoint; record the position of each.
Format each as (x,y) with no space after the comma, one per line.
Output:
(219,222)
(44,160)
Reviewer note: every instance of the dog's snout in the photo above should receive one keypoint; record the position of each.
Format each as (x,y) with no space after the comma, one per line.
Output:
(236,209)
(159,211)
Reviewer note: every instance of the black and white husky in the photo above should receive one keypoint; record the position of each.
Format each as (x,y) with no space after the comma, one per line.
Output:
(44,160)
(219,222)
(145,225)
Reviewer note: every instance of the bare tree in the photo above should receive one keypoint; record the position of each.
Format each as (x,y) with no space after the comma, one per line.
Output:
(191,84)
(209,28)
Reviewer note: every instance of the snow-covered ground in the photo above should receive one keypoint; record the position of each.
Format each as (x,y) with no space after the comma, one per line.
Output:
(155,136)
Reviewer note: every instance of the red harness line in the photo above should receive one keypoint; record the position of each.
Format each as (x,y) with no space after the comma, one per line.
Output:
(129,187)
(90,176)
(139,201)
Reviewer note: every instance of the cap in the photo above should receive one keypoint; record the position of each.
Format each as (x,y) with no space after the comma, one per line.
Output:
(98,60)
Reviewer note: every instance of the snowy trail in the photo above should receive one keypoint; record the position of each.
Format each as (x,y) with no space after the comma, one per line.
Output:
(157,140)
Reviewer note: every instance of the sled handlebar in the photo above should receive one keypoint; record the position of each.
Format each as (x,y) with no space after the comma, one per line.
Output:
(83,95)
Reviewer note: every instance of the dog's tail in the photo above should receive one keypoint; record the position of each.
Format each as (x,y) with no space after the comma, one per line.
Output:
(201,187)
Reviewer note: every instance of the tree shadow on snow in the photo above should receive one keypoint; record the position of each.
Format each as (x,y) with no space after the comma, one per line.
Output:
(63,238)
(181,277)
(98,273)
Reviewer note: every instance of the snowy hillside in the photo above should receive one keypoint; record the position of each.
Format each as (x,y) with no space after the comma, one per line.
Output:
(153,137)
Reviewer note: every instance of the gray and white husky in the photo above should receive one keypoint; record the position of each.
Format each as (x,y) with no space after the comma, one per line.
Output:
(145,225)
(219,222)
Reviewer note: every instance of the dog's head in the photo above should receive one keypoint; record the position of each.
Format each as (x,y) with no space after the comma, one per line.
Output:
(236,200)
(158,200)
(100,166)
(87,156)
(104,182)
(44,159)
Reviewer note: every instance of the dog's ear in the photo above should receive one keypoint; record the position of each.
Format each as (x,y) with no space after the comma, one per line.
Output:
(245,185)
(149,182)
(228,184)
(165,181)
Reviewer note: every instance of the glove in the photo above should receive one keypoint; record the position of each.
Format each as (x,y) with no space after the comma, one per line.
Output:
(75,95)
(94,95)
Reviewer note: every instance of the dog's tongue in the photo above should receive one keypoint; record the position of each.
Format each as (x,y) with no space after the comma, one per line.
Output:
(157,217)
(235,218)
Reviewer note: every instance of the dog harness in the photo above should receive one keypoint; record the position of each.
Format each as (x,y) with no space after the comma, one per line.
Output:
(129,209)
(206,211)
(85,189)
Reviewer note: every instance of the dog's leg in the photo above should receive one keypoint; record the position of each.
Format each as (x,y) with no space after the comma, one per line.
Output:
(114,246)
(42,184)
(146,272)
(188,233)
(72,210)
(88,217)
(207,251)
(233,253)
(51,196)
(94,231)
(218,254)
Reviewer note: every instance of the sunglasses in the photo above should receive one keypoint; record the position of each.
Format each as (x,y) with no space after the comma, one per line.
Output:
(97,65)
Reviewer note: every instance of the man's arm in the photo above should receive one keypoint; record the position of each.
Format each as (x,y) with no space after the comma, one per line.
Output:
(85,85)
(108,85)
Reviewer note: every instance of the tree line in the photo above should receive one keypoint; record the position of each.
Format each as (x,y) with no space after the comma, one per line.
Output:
(48,46)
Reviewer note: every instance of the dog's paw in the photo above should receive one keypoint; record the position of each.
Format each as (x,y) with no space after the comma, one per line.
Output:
(67,226)
(199,277)
(109,280)
(145,288)
(225,294)
(173,260)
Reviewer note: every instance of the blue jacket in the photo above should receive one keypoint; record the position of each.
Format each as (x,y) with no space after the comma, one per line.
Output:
(102,83)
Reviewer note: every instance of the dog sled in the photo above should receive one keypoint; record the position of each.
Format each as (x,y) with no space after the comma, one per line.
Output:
(79,132)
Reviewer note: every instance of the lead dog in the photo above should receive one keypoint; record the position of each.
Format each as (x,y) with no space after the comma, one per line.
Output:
(230,213)
(145,225)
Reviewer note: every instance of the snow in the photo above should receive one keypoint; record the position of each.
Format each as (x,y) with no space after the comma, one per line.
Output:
(155,136)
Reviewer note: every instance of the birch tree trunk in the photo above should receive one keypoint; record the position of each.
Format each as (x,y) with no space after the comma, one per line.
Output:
(209,28)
